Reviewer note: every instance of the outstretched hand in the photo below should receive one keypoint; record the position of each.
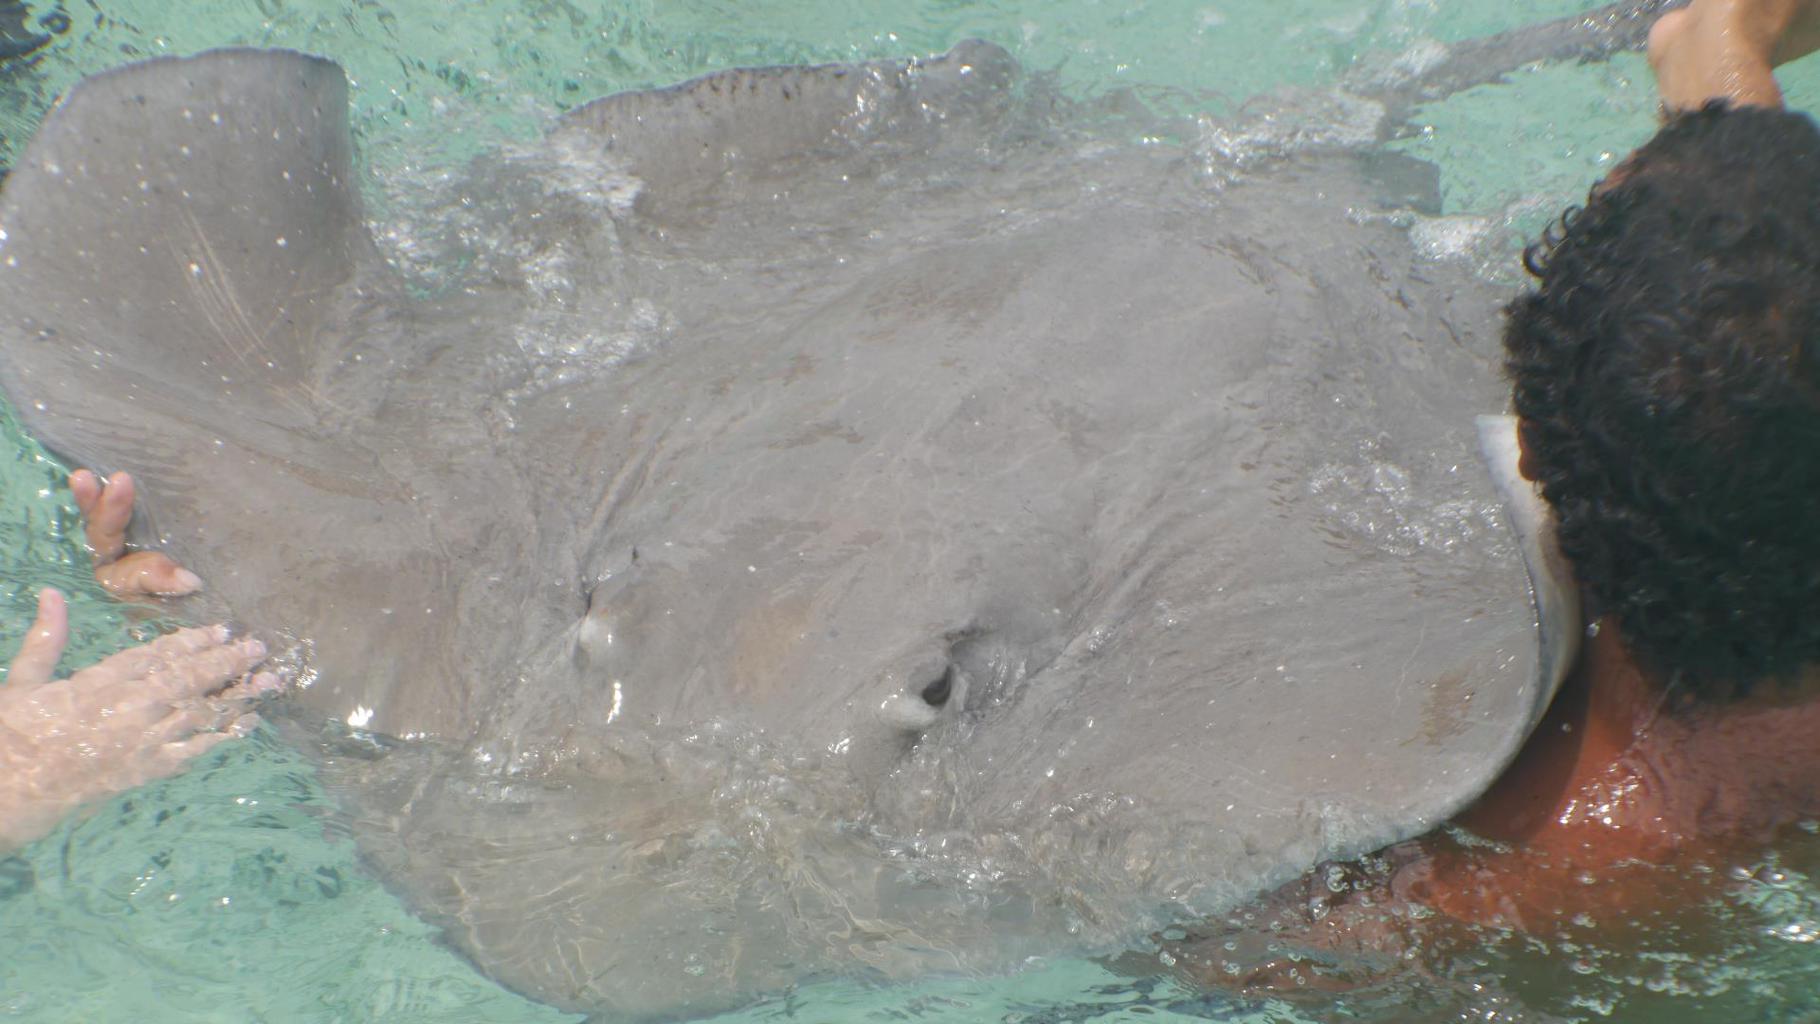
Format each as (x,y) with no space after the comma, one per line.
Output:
(134,717)
(137,716)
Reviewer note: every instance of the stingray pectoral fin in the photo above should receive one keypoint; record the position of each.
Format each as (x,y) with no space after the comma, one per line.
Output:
(177,244)
(588,893)
(187,290)
(174,242)
(1551,578)
(754,117)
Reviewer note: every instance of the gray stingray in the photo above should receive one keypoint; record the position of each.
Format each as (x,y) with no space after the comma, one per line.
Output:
(847,520)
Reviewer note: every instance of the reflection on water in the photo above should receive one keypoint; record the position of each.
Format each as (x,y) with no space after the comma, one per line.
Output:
(235,893)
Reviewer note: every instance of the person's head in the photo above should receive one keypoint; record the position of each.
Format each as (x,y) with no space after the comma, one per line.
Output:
(1666,374)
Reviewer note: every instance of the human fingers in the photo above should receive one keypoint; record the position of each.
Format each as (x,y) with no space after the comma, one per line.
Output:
(194,675)
(147,574)
(106,513)
(255,686)
(211,715)
(86,487)
(134,662)
(36,661)
(169,758)
(232,701)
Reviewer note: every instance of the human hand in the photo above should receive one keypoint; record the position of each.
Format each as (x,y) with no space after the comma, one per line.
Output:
(1725,49)
(131,718)
(107,508)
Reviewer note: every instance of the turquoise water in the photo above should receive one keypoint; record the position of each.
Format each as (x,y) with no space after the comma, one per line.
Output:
(230,894)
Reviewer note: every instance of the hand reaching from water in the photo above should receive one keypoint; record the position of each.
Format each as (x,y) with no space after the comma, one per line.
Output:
(134,717)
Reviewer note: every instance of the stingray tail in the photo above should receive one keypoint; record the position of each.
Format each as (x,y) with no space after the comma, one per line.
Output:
(1593,36)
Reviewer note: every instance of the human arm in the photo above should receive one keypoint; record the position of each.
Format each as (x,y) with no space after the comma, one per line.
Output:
(1726,49)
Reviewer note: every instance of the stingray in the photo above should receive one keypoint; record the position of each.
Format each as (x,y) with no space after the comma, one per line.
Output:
(863,520)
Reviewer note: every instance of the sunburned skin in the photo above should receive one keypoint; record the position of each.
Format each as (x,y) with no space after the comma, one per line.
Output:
(1620,771)
(1611,825)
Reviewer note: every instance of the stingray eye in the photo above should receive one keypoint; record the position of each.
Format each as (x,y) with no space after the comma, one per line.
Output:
(937,693)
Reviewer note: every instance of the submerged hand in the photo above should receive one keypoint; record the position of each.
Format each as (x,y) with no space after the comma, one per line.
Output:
(107,508)
(134,717)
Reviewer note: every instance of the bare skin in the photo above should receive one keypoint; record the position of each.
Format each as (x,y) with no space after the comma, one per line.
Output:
(107,510)
(1614,814)
(1727,49)
(139,715)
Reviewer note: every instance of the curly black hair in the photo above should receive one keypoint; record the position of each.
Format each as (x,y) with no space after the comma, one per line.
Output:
(1666,373)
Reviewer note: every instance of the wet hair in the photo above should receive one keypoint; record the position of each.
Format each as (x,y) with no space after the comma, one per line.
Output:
(1666,370)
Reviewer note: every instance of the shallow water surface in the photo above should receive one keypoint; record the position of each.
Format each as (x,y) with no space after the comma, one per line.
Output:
(233,893)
